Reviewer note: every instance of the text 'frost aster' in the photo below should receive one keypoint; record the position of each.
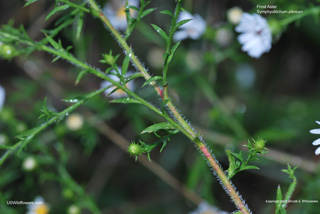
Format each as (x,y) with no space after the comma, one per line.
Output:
(192,29)
(316,142)
(255,35)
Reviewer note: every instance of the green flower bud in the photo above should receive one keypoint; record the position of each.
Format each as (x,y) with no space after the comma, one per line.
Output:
(259,145)
(109,59)
(7,51)
(135,149)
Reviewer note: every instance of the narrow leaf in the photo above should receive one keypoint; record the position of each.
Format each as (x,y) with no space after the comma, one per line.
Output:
(57,9)
(133,76)
(179,24)
(157,127)
(30,2)
(155,78)
(239,156)
(134,8)
(52,42)
(174,48)
(125,100)
(80,75)
(146,12)
(160,31)
(279,199)
(167,12)
(250,167)
(79,25)
(125,64)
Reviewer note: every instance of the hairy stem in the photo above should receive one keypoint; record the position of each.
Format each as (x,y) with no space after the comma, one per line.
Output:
(191,134)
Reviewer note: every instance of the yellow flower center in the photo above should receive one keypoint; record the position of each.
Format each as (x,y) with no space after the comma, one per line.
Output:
(120,13)
(42,209)
(119,92)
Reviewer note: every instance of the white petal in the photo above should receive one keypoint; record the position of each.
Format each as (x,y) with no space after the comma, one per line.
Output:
(318,122)
(180,35)
(245,37)
(2,96)
(134,3)
(317,151)
(184,15)
(316,142)
(315,131)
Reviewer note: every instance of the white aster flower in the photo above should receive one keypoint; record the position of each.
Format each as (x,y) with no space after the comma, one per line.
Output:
(38,207)
(119,93)
(256,35)
(234,15)
(114,10)
(192,29)
(316,142)
(2,97)
(205,208)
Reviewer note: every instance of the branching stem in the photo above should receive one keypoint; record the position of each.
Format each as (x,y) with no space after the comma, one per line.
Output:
(187,129)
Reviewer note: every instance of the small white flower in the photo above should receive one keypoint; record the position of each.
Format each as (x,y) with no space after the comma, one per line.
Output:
(114,10)
(192,29)
(38,207)
(119,93)
(74,122)
(205,208)
(29,164)
(256,36)
(234,15)
(2,97)
(316,142)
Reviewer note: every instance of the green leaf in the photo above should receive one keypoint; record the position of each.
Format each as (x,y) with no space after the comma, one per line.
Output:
(239,156)
(179,24)
(167,12)
(279,199)
(133,76)
(157,127)
(160,31)
(30,2)
(79,25)
(80,75)
(125,64)
(126,100)
(174,48)
(146,12)
(57,9)
(163,145)
(232,166)
(53,42)
(250,167)
(134,8)
(155,78)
